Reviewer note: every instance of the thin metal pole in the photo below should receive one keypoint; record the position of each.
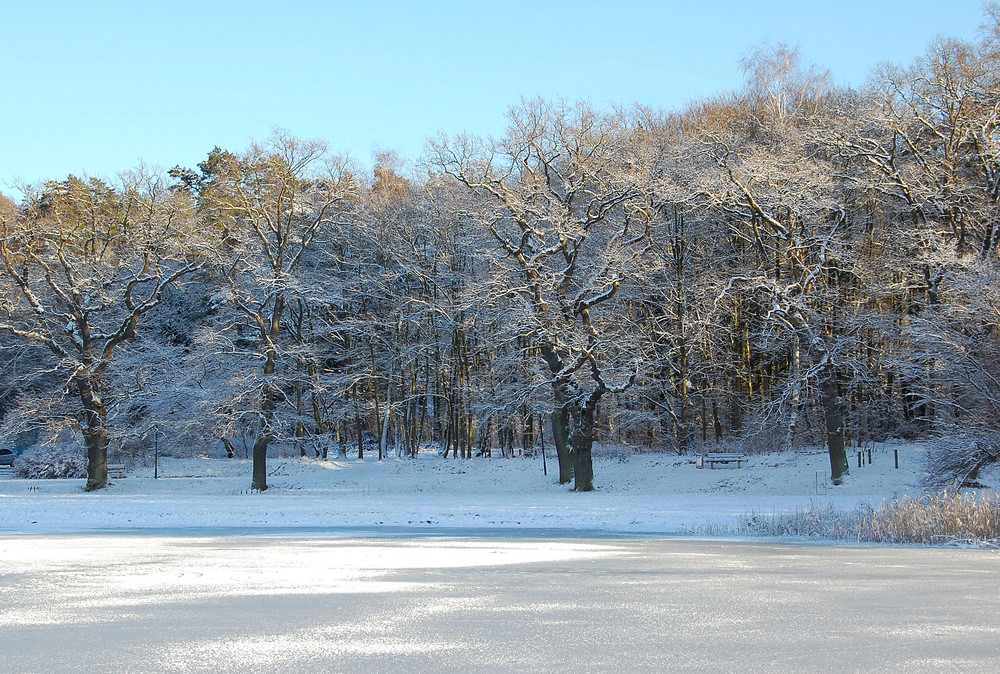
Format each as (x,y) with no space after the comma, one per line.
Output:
(541,434)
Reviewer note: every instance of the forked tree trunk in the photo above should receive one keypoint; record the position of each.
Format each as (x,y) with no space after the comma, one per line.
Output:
(560,415)
(95,434)
(268,398)
(830,395)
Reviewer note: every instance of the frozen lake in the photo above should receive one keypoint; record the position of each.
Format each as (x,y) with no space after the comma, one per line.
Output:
(292,602)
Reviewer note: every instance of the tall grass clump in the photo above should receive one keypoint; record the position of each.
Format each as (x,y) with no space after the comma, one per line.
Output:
(935,518)
(812,522)
(948,518)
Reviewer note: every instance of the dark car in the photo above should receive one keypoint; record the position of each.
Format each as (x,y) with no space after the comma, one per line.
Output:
(7,456)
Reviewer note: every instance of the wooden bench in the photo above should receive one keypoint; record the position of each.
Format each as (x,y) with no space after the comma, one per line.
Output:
(713,458)
(116,470)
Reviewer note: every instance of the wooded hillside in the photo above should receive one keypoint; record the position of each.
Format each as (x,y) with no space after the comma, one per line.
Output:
(790,264)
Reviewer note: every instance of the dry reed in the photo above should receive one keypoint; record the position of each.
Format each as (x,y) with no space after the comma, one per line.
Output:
(947,518)
(935,518)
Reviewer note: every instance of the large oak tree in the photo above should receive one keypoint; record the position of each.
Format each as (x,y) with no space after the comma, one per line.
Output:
(83,261)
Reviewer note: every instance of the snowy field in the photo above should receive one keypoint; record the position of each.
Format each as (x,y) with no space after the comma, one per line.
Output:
(637,493)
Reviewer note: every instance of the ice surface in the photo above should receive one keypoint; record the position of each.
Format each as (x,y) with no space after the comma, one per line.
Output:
(116,602)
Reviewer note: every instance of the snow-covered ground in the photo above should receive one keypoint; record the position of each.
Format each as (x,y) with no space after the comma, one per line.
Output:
(638,493)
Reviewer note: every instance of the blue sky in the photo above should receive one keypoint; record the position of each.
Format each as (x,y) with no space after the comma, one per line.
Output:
(93,87)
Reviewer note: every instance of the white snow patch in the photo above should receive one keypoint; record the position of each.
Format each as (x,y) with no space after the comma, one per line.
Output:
(638,493)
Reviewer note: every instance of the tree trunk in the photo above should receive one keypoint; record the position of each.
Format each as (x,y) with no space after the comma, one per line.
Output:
(830,395)
(97,458)
(268,398)
(582,442)
(259,480)
(383,443)
(95,434)
(833,408)
(357,422)
(560,437)
(796,393)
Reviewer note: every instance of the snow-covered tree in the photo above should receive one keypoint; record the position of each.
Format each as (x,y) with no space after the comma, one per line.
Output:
(560,196)
(84,262)
(270,205)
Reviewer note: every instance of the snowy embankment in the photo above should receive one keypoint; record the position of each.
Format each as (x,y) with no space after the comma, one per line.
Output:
(638,493)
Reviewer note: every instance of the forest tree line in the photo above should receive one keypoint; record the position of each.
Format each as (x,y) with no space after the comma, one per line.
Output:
(793,263)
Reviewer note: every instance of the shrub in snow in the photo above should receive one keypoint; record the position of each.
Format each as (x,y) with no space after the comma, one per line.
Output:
(956,458)
(53,460)
(62,456)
